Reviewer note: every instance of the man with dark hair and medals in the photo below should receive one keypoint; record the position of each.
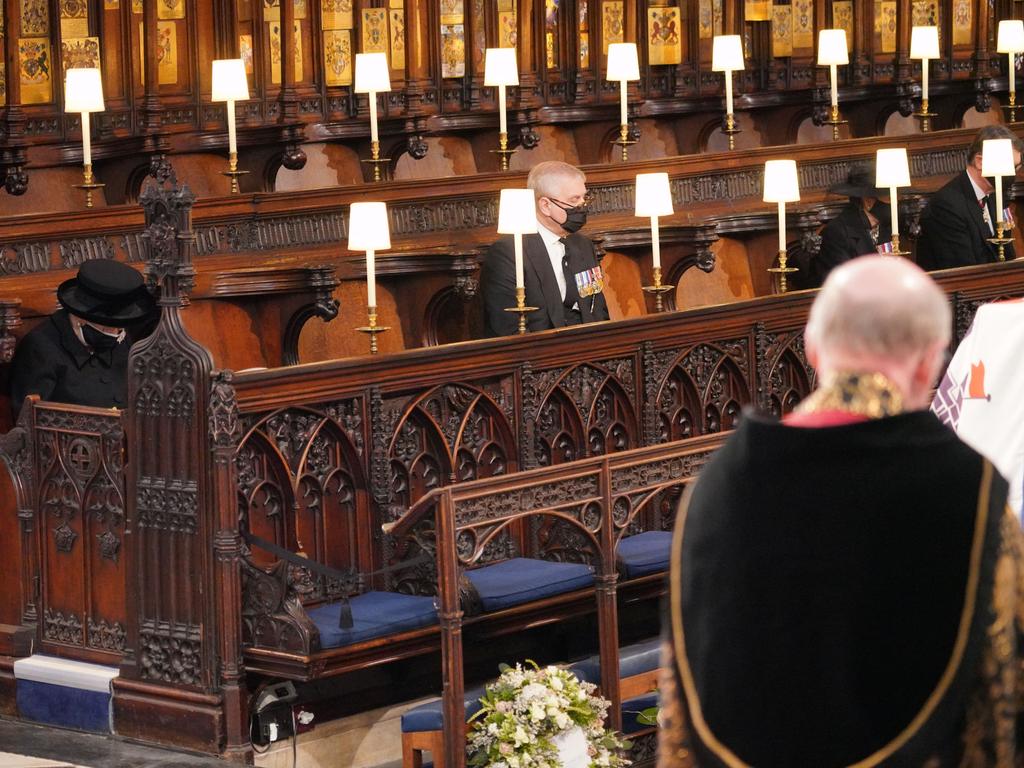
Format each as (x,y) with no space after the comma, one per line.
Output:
(845,586)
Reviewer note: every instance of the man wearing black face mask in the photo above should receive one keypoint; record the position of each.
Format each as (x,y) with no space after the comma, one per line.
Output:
(560,270)
(79,354)
(960,217)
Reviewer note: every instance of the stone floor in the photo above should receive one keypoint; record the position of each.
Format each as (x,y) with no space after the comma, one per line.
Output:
(26,745)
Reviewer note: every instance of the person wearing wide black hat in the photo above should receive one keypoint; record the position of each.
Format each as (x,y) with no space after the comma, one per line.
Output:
(79,354)
(861,227)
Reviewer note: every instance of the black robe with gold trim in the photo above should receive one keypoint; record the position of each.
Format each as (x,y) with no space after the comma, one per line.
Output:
(844,596)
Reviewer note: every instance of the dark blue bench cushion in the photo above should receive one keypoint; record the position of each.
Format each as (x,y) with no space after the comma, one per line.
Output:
(374,614)
(644,553)
(427,716)
(631,710)
(521,580)
(633,660)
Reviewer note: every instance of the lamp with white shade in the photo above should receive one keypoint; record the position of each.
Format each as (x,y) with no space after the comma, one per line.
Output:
(230,85)
(368,231)
(623,65)
(781,186)
(83,93)
(1011,41)
(372,77)
(997,161)
(924,45)
(502,70)
(727,57)
(654,199)
(892,170)
(517,216)
(832,52)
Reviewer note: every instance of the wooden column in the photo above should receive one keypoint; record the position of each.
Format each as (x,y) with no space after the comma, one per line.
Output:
(288,98)
(151,117)
(529,82)
(607,606)
(419,52)
(12,151)
(227,549)
(450,616)
(225,32)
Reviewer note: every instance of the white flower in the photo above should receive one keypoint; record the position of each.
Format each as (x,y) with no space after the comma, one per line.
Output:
(537,712)
(492,728)
(513,761)
(556,682)
(562,720)
(520,736)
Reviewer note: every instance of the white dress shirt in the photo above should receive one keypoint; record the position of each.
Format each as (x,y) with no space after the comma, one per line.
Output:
(978,195)
(556,252)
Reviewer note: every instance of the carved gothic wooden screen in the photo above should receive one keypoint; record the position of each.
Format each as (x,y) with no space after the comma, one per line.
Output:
(80,458)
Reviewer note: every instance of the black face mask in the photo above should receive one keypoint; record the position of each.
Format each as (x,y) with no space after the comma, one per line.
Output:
(575,216)
(99,340)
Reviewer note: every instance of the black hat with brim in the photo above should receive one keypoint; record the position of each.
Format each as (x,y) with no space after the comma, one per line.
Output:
(106,292)
(859,183)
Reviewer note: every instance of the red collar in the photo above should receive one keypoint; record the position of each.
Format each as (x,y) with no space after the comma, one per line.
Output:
(823,419)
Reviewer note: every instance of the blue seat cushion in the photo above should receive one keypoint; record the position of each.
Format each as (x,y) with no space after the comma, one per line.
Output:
(374,614)
(428,717)
(634,659)
(644,553)
(522,580)
(631,711)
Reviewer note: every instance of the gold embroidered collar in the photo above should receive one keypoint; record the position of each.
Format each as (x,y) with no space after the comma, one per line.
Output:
(868,394)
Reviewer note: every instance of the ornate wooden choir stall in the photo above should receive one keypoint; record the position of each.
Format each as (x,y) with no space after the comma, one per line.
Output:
(132,539)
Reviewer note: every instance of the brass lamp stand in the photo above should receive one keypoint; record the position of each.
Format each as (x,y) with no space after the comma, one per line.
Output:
(376,161)
(925,116)
(782,270)
(372,329)
(835,121)
(88,184)
(503,152)
(232,172)
(624,141)
(731,130)
(1011,108)
(658,290)
(521,308)
(896,247)
(999,240)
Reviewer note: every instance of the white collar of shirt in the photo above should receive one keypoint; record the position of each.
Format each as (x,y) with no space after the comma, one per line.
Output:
(978,195)
(556,250)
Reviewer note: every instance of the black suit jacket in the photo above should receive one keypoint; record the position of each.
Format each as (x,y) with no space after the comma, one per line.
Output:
(953,228)
(51,362)
(498,286)
(848,236)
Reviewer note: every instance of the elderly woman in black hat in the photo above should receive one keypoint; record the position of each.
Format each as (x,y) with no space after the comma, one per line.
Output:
(79,354)
(862,227)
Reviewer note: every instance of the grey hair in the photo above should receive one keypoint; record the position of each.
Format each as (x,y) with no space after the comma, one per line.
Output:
(879,307)
(545,176)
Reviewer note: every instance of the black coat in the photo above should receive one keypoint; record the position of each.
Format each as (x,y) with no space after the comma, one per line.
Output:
(848,236)
(51,362)
(498,286)
(953,229)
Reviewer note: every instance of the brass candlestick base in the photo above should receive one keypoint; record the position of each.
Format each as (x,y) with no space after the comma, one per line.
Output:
(88,184)
(658,290)
(782,270)
(232,172)
(1000,241)
(373,329)
(731,130)
(896,248)
(925,116)
(624,141)
(503,152)
(835,121)
(376,161)
(1011,108)
(521,308)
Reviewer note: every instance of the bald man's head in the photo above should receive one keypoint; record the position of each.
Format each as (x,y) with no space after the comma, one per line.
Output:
(881,314)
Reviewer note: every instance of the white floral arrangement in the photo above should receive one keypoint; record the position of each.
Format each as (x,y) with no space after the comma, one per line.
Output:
(533,718)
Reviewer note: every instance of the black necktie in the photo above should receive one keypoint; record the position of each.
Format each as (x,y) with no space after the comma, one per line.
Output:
(572,294)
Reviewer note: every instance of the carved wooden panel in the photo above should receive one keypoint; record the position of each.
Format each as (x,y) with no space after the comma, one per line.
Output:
(82,518)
